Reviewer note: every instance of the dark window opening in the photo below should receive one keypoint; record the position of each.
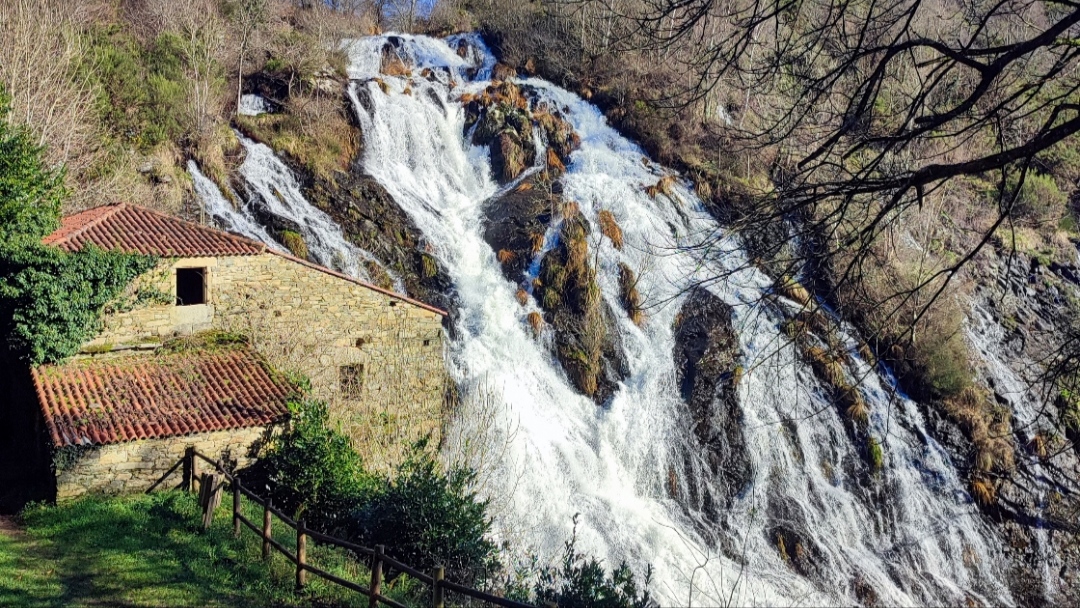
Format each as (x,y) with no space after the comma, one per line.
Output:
(352,379)
(190,286)
(427,342)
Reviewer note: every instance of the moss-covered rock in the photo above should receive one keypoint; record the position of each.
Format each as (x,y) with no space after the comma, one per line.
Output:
(295,243)
(585,343)
(505,117)
(508,156)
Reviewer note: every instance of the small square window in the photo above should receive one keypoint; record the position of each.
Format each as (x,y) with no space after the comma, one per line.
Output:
(351,378)
(190,286)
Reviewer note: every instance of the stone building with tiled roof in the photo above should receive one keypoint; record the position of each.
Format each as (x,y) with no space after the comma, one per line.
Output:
(374,355)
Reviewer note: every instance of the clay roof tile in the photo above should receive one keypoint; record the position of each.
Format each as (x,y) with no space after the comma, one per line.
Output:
(138,230)
(150,396)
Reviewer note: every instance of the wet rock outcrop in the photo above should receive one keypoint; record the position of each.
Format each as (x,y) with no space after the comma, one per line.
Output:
(507,118)
(371,219)
(707,359)
(585,342)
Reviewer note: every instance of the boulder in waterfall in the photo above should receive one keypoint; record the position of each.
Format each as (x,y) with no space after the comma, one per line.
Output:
(392,63)
(707,360)
(508,156)
(516,223)
(586,344)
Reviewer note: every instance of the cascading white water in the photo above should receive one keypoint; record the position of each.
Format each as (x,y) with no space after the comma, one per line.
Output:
(270,184)
(224,214)
(988,338)
(913,536)
(269,180)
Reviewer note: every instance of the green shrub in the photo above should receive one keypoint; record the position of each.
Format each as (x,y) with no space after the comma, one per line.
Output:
(50,300)
(1068,404)
(581,582)
(295,243)
(1039,198)
(30,192)
(944,359)
(141,91)
(876,454)
(313,471)
(427,517)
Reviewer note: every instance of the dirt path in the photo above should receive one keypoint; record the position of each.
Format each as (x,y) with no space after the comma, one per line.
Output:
(9,528)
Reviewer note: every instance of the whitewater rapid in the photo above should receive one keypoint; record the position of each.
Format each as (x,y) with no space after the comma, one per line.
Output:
(912,534)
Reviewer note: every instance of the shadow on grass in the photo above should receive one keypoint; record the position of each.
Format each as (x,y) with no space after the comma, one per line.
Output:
(135,551)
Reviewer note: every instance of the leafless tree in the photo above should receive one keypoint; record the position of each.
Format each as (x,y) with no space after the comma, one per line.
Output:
(869,109)
(249,16)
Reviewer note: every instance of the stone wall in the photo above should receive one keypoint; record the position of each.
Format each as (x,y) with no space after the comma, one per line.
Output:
(135,466)
(376,358)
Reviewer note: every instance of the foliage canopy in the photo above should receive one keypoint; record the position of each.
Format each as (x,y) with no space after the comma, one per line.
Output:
(50,300)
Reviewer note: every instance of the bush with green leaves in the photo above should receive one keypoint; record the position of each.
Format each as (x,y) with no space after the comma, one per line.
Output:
(1039,198)
(427,517)
(313,470)
(30,192)
(50,300)
(142,88)
(581,582)
(423,515)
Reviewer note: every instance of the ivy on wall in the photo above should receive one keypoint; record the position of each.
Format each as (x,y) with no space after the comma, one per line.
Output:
(50,300)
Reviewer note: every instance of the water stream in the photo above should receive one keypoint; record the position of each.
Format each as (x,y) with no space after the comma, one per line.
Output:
(911,534)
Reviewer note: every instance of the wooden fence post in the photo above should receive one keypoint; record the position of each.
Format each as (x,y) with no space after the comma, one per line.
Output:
(376,576)
(209,497)
(301,555)
(266,528)
(236,507)
(194,469)
(436,587)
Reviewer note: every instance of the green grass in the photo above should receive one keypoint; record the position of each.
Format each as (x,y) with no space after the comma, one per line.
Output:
(149,550)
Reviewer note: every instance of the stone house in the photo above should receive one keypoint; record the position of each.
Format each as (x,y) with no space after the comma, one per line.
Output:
(374,355)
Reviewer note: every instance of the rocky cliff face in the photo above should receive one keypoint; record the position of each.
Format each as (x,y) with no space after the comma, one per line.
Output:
(1019,317)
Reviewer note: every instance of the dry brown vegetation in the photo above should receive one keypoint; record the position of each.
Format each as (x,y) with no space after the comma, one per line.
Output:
(610,228)
(123,93)
(631,298)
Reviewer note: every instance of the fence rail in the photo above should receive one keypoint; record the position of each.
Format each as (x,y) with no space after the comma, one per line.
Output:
(210,487)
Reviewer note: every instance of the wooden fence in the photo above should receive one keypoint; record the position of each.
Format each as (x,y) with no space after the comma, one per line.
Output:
(211,486)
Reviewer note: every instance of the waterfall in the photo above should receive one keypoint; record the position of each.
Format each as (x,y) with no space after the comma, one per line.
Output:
(913,535)
(224,214)
(271,190)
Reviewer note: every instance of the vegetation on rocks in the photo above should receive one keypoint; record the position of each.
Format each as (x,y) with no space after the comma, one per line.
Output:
(572,304)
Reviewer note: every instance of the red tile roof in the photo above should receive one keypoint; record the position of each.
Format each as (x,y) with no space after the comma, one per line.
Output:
(137,230)
(145,396)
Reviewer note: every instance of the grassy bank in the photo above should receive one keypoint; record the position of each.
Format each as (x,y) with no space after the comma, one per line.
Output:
(149,550)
